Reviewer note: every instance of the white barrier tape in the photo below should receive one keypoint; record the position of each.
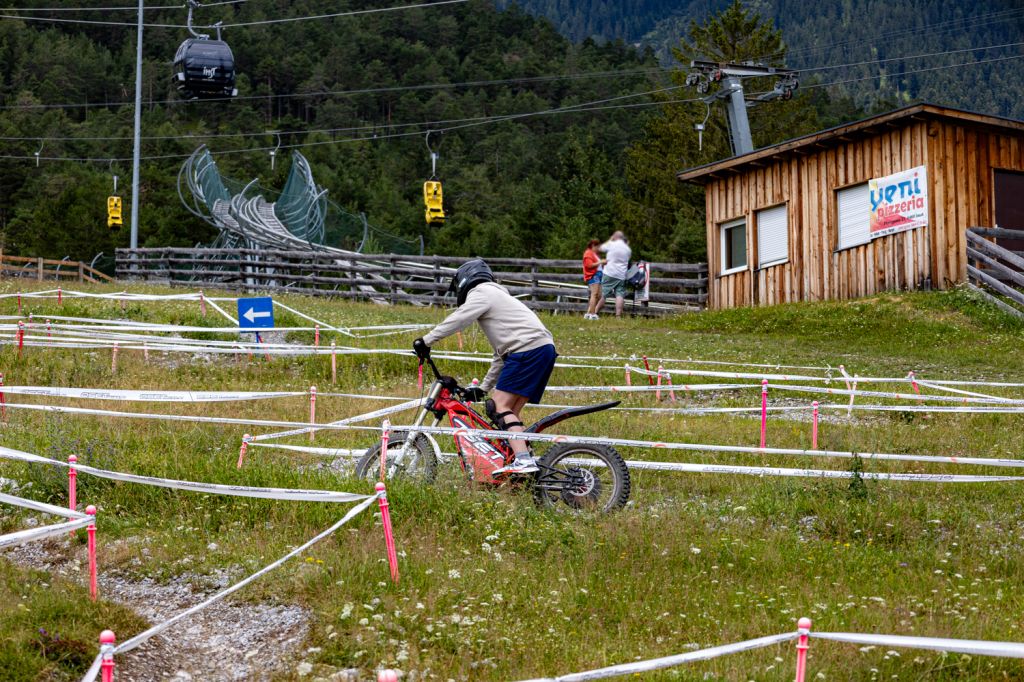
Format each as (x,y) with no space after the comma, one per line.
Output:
(639,388)
(797,473)
(960,646)
(229,318)
(94,670)
(149,396)
(42,532)
(976,409)
(138,639)
(671,661)
(323,325)
(408,405)
(191,486)
(950,389)
(890,396)
(521,435)
(40,506)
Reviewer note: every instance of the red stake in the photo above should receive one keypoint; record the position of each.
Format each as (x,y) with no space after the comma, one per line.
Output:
(107,652)
(60,297)
(72,487)
(389,536)
(242,450)
(803,627)
(21,336)
(316,336)
(647,366)
(91,529)
(764,410)
(334,364)
(814,426)
(312,411)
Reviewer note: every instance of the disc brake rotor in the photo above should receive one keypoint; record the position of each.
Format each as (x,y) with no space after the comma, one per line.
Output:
(585,486)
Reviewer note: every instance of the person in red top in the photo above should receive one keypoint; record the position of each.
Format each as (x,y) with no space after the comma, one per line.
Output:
(592,278)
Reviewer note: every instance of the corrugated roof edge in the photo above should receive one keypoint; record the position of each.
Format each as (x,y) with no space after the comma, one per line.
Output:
(736,163)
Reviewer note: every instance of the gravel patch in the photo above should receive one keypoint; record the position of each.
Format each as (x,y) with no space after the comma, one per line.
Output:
(226,641)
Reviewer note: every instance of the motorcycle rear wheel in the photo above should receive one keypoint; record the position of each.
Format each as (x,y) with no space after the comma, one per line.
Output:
(582,478)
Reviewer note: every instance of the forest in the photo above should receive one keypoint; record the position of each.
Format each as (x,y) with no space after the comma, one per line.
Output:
(548,134)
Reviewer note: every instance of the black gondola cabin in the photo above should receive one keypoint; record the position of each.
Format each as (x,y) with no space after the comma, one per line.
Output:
(204,68)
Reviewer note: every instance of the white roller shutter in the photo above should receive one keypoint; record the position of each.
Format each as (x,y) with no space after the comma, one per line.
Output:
(772,236)
(854,216)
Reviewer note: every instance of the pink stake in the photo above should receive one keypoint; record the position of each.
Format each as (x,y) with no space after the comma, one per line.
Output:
(242,450)
(316,336)
(91,530)
(385,436)
(72,487)
(647,366)
(334,364)
(312,411)
(419,378)
(764,410)
(113,359)
(107,651)
(259,340)
(671,393)
(629,378)
(387,675)
(803,628)
(60,297)
(657,393)
(389,536)
(21,336)
(202,303)
(459,336)
(913,383)
(814,426)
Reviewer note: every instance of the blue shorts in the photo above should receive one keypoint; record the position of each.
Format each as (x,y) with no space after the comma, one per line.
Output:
(527,373)
(596,279)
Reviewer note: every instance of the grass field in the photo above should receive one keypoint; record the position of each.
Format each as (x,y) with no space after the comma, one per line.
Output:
(493,588)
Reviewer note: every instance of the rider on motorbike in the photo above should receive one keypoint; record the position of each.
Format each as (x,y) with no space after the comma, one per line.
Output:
(524,351)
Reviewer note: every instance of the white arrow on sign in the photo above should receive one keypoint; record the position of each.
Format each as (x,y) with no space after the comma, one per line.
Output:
(251,314)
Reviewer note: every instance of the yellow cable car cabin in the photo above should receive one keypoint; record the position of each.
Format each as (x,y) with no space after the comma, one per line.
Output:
(432,200)
(114,212)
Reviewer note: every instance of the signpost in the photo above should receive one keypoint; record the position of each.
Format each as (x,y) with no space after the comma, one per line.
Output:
(256,313)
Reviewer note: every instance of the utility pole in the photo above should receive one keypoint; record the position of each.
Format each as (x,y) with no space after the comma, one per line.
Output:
(136,152)
(705,73)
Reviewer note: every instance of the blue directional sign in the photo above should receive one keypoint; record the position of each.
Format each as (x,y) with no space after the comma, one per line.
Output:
(256,313)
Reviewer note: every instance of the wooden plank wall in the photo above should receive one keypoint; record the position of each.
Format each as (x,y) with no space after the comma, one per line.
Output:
(959,159)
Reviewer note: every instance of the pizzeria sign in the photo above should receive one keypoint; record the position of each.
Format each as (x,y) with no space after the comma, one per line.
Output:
(899,202)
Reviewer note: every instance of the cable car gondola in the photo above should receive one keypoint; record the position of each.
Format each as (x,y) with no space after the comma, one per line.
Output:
(204,68)
(433,198)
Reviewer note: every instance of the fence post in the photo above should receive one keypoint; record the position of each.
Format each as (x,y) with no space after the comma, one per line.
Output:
(107,652)
(39,267)
(91,530)
(391,280)
(803,628)
(81,271)
(533,279)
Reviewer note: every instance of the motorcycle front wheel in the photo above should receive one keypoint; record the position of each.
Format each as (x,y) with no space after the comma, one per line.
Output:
(419,462)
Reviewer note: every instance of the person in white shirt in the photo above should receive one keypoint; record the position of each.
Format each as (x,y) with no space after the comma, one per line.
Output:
(524,351)
(613,282)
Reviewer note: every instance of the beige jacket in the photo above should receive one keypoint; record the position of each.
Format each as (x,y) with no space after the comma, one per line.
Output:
(508,324)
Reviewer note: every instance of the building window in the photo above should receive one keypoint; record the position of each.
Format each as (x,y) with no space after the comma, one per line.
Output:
(772,236)
(854,209)
(734,246)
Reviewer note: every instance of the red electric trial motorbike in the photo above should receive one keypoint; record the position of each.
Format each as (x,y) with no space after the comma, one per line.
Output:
(571,476)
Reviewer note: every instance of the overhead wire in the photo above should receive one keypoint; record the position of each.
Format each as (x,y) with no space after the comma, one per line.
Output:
(262,22)
(577,108)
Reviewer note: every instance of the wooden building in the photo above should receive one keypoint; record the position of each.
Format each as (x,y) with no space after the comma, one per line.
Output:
(879,204)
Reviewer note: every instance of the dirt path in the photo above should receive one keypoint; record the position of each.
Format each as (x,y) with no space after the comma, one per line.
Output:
(227,641)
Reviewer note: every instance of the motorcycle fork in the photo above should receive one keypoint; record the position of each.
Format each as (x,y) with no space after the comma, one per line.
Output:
(407,446)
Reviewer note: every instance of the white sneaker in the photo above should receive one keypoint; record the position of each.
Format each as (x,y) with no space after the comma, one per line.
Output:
(523,464)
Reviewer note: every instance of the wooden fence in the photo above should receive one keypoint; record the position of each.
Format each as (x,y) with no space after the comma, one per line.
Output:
(541,284)
(41,269)
(996,267)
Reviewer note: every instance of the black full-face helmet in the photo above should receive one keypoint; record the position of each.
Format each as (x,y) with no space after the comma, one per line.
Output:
(468,276)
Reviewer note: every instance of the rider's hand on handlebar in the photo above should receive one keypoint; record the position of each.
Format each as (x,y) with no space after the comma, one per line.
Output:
(421,349)
(474,394)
